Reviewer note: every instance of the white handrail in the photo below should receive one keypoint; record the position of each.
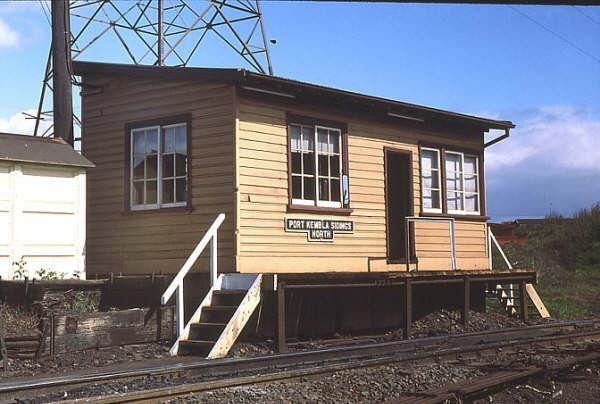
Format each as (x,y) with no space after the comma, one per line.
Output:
(493,238)
(177,282)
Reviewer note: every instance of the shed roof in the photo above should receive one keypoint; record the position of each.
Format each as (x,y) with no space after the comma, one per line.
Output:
(287,87)
(40,150)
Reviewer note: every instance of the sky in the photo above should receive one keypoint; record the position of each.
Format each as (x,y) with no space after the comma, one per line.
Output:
(537,66)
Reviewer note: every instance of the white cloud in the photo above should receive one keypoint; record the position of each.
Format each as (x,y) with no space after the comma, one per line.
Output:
(554,137)
(9,38)
(18,124)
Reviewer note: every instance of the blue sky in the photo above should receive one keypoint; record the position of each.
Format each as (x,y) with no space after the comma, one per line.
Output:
(496,61)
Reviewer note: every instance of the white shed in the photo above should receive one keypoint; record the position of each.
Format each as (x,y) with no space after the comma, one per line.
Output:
(42,206)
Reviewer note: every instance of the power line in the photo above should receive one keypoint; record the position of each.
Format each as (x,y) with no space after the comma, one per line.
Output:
(559,36)
(587,16)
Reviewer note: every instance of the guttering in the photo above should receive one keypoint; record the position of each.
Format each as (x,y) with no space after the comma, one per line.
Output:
(499,138)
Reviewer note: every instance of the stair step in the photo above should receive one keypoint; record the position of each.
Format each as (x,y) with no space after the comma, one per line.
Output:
(206,331)
(228,297)
(195,347)
(217,314)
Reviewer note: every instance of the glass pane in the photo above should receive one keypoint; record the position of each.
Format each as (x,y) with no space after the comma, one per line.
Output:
(470,165)
(454,200)
(167,165)
(427,201)
(295,137)
(323,189)
(180,164)
(139,143)
(169,140)
(181,190)
(309,188)
(138,192)
(296,163)
(308,138)
(151,141)
(435,199)
(426,179)
(322,141)
(452,163)
(334,143)
(470,183)
(167,191)
(150,192)
(428,159)
(181,140)
(151,167)
(471,203)
(309,163)
(323,165)
(296,187)
(138,167)
(334,167)
(335,190)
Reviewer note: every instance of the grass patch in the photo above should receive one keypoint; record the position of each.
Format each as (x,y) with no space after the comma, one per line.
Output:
(566,255)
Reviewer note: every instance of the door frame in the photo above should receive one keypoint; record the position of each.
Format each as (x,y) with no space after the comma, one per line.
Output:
(386,151)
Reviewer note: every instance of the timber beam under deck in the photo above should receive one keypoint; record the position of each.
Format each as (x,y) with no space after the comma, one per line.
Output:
(283,282)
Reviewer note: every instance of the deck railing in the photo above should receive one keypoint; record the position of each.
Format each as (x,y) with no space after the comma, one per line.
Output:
(177,283)
(413,219)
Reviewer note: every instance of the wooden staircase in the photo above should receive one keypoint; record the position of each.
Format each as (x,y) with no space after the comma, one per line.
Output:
(508,294)
(221,317)
(510,299)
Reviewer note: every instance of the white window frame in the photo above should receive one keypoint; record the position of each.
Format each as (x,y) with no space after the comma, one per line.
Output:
(463,192)
(441,186)
(317,202)
(159,176)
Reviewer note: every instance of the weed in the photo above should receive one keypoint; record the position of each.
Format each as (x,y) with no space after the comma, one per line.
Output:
(20,272)
(81,303)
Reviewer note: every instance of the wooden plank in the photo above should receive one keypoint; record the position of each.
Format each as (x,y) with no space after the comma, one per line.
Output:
(537,301)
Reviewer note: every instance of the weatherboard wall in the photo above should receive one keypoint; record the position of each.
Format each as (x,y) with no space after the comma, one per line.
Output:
(262,198)
(161,240)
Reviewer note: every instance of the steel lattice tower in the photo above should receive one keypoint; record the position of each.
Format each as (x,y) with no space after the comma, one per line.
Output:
(159,32)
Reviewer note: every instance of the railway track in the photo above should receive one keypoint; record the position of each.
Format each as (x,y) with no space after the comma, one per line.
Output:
(207,375)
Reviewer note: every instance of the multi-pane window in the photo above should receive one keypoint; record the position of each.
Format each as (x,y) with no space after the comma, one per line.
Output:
(159,167)
(316,181)
(461,185)
(430,180)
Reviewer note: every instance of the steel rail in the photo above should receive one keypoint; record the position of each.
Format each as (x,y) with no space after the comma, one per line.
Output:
(415,349)
(286,374)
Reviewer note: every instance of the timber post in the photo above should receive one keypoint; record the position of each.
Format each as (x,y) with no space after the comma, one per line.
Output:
(281,317)
(61,71)
(467,300)
(407,308)
(523,296)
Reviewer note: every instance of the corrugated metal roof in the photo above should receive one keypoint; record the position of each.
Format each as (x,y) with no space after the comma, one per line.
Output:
(30,149)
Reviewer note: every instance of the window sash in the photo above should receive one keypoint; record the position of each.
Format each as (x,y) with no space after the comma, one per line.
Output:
(459,176)
(317,201)
(462,193)
(160,131)
(432,189)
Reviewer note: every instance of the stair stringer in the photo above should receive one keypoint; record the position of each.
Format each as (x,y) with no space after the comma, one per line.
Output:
(537,301)
(237,322)
(196,316)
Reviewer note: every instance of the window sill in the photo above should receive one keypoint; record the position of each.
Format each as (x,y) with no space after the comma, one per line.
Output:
(472,218)
(318,209)
(185,209)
